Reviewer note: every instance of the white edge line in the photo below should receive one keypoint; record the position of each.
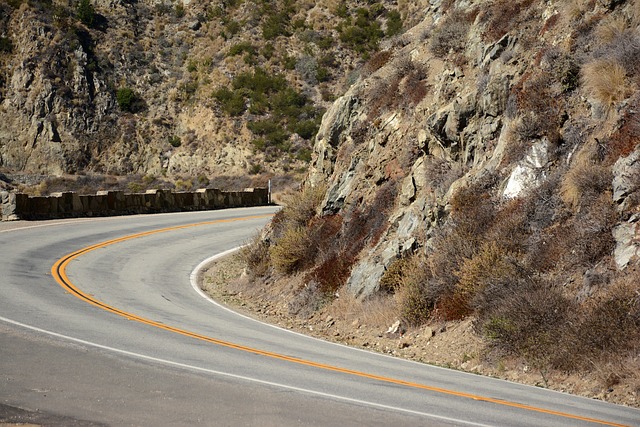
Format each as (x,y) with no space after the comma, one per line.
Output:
(238,377)
(194,276)
(194,283)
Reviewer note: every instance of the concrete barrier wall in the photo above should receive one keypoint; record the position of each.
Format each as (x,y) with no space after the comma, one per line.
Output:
(109,203)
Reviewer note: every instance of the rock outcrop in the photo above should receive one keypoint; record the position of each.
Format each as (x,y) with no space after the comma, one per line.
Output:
(127,87)
(507,107)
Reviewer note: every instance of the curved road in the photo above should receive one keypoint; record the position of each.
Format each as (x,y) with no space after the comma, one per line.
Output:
(116,335)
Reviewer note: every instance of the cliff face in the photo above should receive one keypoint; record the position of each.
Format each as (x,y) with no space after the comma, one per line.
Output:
(59,108)
(176,88)
(502,101)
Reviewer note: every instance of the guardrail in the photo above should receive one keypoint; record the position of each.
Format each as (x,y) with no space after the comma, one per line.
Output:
(17,206)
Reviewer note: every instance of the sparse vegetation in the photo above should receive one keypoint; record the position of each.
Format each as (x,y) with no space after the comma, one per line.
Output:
(283,109)
(451,34)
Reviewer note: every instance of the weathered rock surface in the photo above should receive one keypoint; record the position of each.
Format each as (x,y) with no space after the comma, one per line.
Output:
(510,109)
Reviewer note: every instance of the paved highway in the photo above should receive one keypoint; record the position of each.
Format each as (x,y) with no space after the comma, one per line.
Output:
(97,329)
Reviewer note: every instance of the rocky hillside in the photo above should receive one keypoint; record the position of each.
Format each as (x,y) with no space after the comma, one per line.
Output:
(190,90)
(485,166)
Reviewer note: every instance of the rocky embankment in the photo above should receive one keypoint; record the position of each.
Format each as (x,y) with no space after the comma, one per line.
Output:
(483,169)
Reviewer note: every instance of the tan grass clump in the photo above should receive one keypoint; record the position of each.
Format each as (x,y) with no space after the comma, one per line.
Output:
(415,302)
(377,311)
(610,29)
(584,182)
(605,80)
(300,207)
(255,255)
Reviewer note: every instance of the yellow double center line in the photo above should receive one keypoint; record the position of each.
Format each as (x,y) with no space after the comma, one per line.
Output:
(59,273)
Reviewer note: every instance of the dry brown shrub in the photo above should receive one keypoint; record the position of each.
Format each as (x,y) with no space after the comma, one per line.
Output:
(441,173)
(573,9)
(393,275)
(593,232)
(627,138)
(332,272)
(377,61)
(457,240)
(300,247)
(578,242)
(378,311)
(255,256)
(634,13)
(504,15)
(291,252)
(414,87)
(384,95)
(618,369)
(537,106)
(292,244)
(511,227)
(451,34)
(324,233)
(361,227)
(307,300)
(415,300)
(525,319)
(300,208)
(605,80)
(609,29)
(609,324)
(585,181)
(490,267)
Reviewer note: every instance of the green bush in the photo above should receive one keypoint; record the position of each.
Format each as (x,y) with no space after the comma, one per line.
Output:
(189,88)
(276,25)
(179,11)
(269,94)
(128,100)
(240,48)
(272,132)
(175,141)
(86,12)
(6,45)
(394,23)
(306,129)
(361,34)
(268,51)
(232,27)
(259,81)
(232,102)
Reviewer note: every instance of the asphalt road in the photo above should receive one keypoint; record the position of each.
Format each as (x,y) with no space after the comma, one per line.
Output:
(125,339)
